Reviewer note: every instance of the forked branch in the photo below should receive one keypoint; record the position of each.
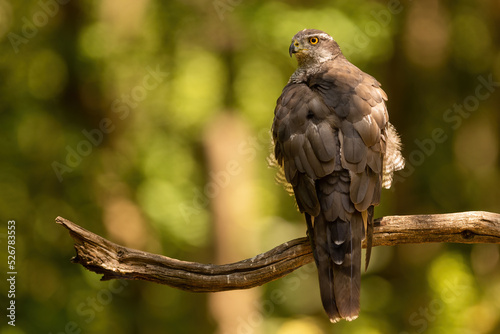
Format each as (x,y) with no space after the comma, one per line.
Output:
(117,262)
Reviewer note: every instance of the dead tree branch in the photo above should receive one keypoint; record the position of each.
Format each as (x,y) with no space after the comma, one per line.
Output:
(117,262)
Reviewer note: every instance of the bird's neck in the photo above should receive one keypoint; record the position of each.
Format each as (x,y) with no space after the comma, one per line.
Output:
(306,70)
(308,66)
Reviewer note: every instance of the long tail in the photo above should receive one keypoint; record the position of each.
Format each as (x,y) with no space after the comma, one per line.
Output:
(337,252)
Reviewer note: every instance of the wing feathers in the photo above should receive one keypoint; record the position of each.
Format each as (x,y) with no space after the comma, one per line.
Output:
(369,131)
(327,136)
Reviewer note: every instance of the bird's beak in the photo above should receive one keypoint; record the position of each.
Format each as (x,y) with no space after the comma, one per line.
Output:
(294,48)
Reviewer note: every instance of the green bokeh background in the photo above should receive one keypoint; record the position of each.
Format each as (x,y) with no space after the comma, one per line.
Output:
(71,68)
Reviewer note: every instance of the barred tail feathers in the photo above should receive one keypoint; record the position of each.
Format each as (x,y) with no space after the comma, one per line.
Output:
(338,257)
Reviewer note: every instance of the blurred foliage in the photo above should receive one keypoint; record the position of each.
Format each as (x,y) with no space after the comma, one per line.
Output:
(104,106)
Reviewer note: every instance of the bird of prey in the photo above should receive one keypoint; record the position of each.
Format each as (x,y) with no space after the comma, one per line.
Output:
(337,149)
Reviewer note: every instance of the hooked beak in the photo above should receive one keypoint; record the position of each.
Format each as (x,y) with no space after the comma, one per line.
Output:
(294,48)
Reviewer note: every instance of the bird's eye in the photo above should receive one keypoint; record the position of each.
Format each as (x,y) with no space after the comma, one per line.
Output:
(313,40)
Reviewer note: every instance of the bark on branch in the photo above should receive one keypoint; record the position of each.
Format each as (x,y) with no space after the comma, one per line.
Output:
(117,262)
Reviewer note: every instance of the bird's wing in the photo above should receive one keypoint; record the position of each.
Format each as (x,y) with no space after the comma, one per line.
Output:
(370,146)
(306,142)
(358,101)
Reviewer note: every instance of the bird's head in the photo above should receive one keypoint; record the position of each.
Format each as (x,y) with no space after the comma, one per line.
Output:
(313,46)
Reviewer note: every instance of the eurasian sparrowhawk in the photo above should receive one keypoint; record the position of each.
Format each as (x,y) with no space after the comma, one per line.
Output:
(337,149)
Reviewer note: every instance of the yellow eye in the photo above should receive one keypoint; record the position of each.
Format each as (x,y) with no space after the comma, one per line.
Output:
(313,40)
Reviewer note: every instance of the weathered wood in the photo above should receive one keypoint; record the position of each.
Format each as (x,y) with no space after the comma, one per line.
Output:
(117,262)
